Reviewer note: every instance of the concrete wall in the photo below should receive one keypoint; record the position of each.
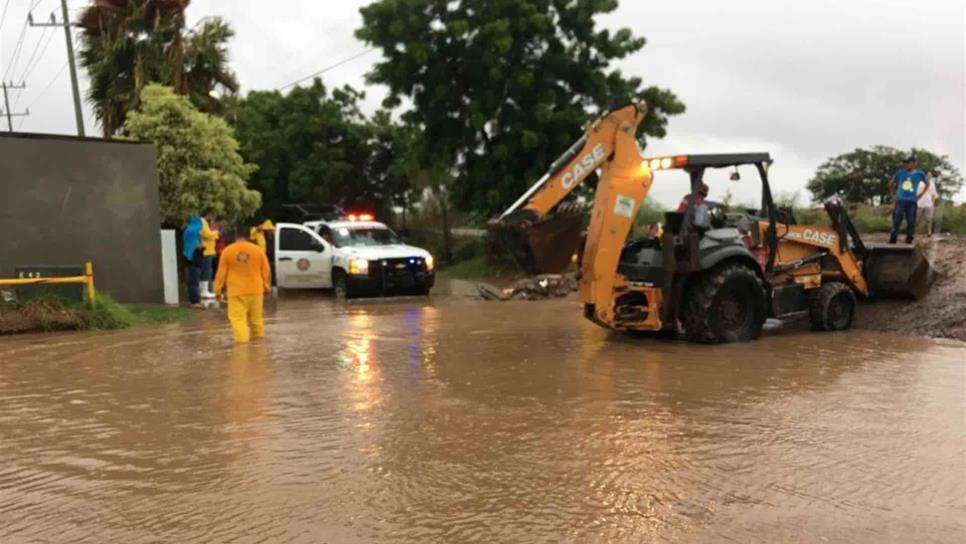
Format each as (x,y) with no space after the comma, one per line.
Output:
(68,200)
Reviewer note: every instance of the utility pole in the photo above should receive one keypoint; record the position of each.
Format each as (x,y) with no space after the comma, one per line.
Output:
(6,104)
(68,35)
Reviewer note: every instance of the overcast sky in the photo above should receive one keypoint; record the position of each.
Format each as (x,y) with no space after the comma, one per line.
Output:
(804,80)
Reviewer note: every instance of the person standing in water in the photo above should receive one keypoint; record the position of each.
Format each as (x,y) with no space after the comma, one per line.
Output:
(243,269)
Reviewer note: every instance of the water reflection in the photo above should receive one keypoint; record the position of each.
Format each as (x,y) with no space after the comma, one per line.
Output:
(248,389)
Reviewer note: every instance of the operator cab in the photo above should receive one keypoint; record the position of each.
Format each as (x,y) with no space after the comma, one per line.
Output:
(689,240)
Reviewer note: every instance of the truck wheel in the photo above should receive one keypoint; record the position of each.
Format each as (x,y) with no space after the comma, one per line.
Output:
(340,285)
(726,304)
(832,307)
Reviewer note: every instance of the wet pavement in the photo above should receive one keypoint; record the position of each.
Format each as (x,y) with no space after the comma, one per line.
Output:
(459,422)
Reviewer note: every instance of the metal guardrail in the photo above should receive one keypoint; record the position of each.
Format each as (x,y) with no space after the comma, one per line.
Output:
(87,280)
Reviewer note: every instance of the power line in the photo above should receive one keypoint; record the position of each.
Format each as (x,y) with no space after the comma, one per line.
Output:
(33,54)
(29,69)
(19,49)
(69,39)
(42,93)
(48,86)
(3,17)
(331,67)
(16,51)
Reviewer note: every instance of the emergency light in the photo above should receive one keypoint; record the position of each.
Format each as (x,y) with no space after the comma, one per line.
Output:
(356,217)
(666,163)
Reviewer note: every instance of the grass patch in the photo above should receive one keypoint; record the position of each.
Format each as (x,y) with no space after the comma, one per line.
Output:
(470,269)
(109,314)
(868,219)
(53,313)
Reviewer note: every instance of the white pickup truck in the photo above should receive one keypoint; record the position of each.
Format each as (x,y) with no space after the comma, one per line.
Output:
(353,257)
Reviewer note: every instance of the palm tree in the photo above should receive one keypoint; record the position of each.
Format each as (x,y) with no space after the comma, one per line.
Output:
(205,65)
(127,44)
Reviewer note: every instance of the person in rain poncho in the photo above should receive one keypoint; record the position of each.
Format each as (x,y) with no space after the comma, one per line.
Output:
(193,252)
(264,237)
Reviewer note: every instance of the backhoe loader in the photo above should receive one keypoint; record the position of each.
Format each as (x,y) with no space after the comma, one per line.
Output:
(717,282)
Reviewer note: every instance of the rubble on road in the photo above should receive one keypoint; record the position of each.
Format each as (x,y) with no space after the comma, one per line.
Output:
(942,312)
(537,288)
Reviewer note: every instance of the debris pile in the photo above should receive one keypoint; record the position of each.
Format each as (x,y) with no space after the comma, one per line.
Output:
(942,312)
(537,288)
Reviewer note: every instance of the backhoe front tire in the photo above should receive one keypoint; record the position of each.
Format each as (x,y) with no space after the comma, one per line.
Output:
(725,304)
(832,307)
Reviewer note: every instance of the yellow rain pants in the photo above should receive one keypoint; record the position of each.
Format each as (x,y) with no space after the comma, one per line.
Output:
(242,310)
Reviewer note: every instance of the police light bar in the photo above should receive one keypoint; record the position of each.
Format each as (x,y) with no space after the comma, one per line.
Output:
(356,217)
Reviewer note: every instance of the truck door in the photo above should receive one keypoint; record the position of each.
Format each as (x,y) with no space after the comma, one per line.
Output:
(303,260)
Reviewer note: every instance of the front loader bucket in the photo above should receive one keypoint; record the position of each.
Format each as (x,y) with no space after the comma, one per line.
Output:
(542,247)
(898,271)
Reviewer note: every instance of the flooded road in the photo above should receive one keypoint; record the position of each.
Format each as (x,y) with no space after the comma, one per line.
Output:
(459,422)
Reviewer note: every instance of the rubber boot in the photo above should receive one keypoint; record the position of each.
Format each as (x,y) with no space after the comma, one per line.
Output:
(206,290)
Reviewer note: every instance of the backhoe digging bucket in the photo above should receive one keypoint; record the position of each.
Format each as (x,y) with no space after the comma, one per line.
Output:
(898,271)
(542,247)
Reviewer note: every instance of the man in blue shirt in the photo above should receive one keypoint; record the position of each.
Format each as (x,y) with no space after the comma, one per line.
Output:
(910,184)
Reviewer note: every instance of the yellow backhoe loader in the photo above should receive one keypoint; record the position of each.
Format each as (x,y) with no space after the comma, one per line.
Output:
(718,280)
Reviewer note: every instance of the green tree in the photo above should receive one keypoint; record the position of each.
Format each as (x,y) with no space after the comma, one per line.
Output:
(865,175)
(206,66)
(128,44)
(389,167)
(317,147)
(199,165)
(500,89)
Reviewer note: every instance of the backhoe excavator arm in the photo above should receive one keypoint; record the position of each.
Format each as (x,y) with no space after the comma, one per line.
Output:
(590,152)
(610,144)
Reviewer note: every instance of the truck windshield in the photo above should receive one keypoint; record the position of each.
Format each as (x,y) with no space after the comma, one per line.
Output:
(363,236)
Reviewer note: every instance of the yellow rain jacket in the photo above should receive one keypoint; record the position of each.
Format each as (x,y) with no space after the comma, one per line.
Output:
(208,238)
(243,267)
(244,270)
(257,234)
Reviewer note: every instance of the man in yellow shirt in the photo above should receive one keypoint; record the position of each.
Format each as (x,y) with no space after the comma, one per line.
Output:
(243,267)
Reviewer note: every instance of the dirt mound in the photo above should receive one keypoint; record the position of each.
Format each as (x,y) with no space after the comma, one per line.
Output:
(941,313)
(37,317)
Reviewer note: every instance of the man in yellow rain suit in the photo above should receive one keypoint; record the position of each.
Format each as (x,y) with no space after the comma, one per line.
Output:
(263,236)
(244,268)
(259,235)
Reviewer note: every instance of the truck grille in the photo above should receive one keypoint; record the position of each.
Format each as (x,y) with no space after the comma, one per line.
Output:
(400,273)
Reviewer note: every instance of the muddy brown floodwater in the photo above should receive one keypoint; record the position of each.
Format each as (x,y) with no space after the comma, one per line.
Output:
(461,422)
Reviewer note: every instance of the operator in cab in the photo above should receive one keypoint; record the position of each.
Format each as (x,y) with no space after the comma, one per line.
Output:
(702,212)
(911,183)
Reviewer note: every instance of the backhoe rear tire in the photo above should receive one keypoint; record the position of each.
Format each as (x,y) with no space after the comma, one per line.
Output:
(725,304)
(832,307)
